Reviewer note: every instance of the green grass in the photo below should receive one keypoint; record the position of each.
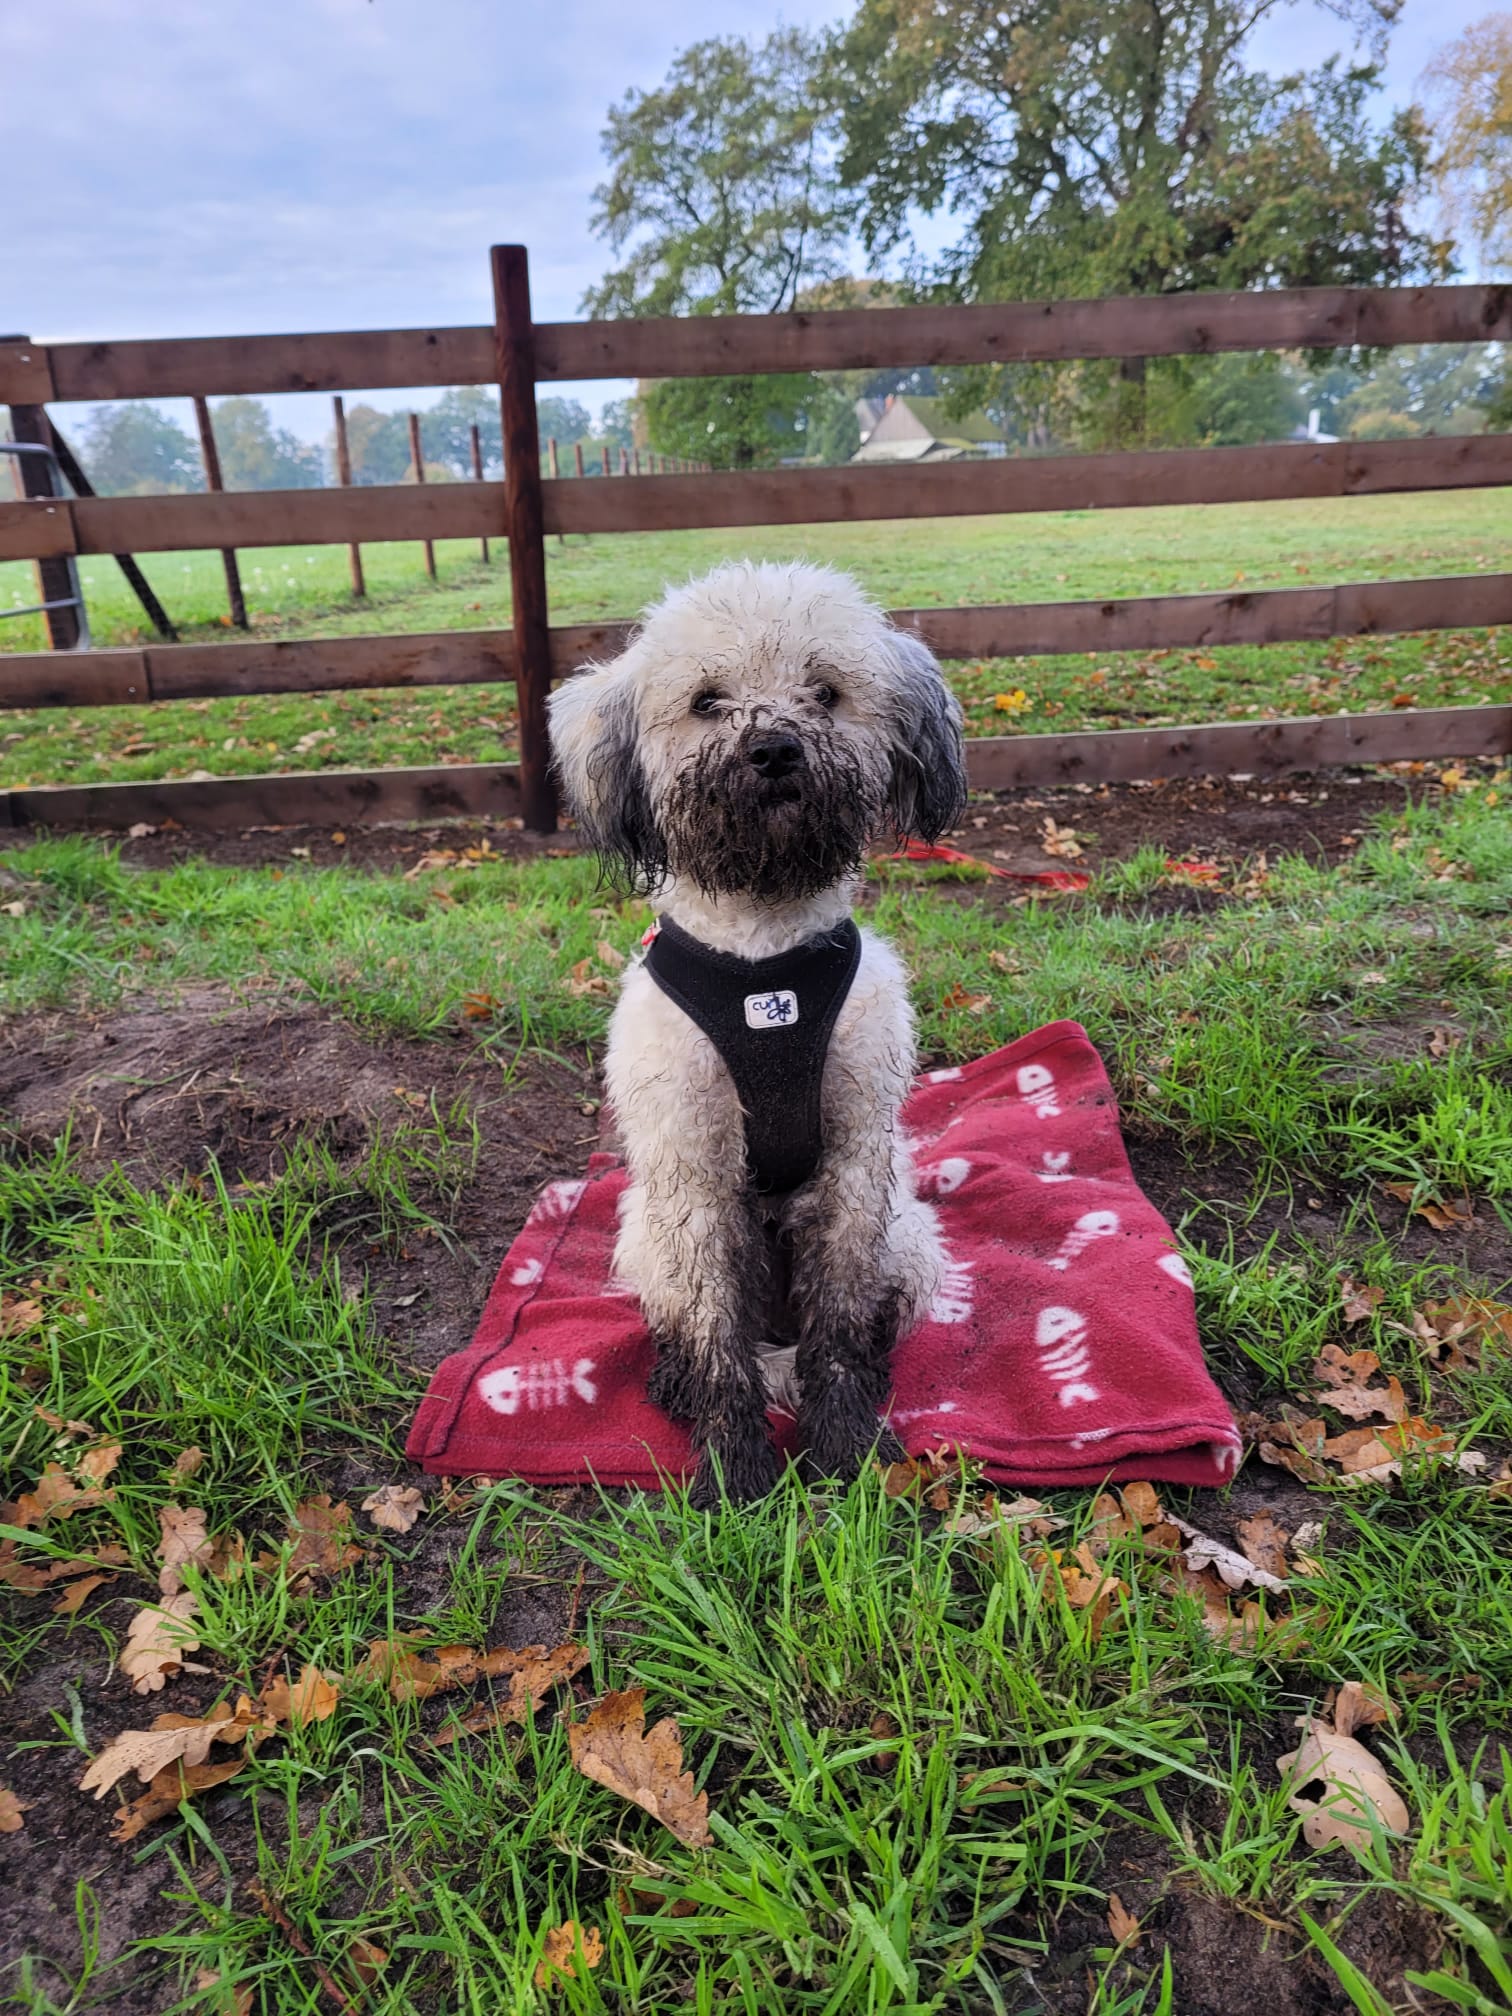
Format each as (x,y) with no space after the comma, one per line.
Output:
(1068,555)
(926,1771)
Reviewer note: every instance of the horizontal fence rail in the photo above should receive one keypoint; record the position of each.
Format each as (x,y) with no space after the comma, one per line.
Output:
(998,763)
(517,353)
(715,345)
(113,678)
(50,527)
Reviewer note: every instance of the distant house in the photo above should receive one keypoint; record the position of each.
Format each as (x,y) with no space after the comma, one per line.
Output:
(907,427)
(1312,431)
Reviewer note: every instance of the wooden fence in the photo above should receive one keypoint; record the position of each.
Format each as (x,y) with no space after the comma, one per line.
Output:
(517,354)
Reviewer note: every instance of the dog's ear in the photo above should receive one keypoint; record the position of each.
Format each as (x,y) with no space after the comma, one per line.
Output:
(927,792)
(595,750)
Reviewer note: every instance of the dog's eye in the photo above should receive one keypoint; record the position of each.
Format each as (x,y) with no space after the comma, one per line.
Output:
(707,702)
(826,696)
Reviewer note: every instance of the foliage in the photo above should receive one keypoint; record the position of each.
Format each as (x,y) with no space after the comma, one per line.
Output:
(378,444)
(616,423)
(731,423)
(1091,148)
(446,430)
(1438,388)
(721,195)
(564,420)
(1471,86)
(256,455)
(134,449)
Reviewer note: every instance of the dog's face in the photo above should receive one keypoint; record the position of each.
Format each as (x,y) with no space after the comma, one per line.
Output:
(766,722)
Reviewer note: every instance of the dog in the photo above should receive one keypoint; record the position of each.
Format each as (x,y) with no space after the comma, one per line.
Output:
(764,725)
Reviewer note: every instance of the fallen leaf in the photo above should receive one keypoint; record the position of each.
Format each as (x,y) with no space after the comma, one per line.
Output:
(366,1958)
(1060,841)
(1359,1303)
(395,1507)
(1141,1503)
(186,1464)
(312,1698)
(167,1793)
(1121,1923)
(1264,1542)
(184,1539)
(1358,1706)
(583,980)
(915,1476)
(96,1464)
(1441,1215)
(231,2001)
(613,1747)
(1355,1787)
(75,1594)
(158,1637)
(1345,1373)
(479,1007)
(18,1313)
(320,1532)
(1454,1333)
(609,955)
(56,1496)
(61,1427)
(1233,1570)
(11,1810)
(532,1670)
(172,1739)
(561,1949)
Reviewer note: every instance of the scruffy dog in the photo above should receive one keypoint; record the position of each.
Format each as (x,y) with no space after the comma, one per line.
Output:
(764,725)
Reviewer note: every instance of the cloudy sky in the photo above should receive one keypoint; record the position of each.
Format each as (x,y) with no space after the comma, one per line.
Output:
(208,167)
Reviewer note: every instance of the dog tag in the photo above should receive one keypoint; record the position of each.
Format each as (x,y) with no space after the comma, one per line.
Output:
(777,1010)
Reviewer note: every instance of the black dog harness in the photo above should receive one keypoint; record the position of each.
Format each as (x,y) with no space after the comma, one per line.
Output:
(771,1021)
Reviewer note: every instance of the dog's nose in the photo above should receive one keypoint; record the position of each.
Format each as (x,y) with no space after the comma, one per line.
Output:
(774,753)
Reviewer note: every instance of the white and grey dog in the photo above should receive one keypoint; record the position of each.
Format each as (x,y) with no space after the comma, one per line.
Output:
(764,725)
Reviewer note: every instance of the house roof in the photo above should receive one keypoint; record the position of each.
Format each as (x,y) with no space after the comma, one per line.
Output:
(930,412)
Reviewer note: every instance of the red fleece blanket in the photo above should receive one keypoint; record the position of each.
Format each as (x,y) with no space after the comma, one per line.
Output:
(1062,1350)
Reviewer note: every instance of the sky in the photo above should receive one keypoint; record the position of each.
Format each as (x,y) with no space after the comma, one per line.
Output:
(217,167)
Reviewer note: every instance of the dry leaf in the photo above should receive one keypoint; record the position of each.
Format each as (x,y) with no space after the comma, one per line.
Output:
(186,1464)
(18,1313)
(1360,1303)
(1441,1215)
(167,1793)
(75,1595)
(1355,1786)
(184,1539)
(96,1464)
(613,1747)
(61,1427)
(172,1739)
(232,2001)
(1060,841)
(1121,1923)
(532,1671)
(1234,1570)
(915,1476)
(560,1950)
(156,1642)
(56,1496)
(395,1507)
(609,955)
(11,1810)
(312,1698)
(320,1532)
(367,1960)
(1264,1542)
(1345,1373)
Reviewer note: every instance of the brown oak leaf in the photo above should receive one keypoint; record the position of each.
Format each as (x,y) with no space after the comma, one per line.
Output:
(184,1539)
(1345,1375)
(11,1811)
(168,1791)
(311,1698)
(322,1545)
(1356,1789)
(560,1950)
(56,1496)
(1123,1925)
(75,1594)
(530,1681)
(1359,1303)
(156,1641)
(395,1507)
(1264,1542)
(613,1747)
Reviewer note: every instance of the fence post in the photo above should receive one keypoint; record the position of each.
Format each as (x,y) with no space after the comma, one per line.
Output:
(556,470)
(604,451)
(210,455)
(577,456)
(514,338)
(344,478)
(54,582)
(477,468)
(417,463)
(624,468)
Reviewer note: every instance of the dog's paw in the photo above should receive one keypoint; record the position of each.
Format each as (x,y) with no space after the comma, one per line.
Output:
(841,1448)
(738,1477)
(670,1385)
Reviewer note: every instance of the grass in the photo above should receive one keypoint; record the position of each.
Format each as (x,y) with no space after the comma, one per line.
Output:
(1067,555)
(927,1771)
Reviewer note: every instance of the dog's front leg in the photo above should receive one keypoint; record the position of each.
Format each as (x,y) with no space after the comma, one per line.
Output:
(691,1240)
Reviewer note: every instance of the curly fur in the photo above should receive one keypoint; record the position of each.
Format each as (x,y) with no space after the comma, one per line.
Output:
(655,752)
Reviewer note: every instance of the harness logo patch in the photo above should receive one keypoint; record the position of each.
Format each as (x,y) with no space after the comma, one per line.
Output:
(777,1010)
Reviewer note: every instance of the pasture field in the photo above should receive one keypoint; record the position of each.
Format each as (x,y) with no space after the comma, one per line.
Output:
(298,593)
(272,1112)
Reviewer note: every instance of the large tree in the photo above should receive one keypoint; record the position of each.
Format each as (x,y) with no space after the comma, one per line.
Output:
(721,199)
(1092,147)
(1470,83)
(256,455)
(136,449)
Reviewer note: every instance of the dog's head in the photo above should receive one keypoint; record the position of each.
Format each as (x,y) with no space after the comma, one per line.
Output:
(765,723)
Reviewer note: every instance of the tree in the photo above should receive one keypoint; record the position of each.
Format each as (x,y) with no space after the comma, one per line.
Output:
(1119,147)
(563,420)
(1470,83)
(132,450)
(446,430)
(722,199)
(256,455)
(744,423)
(379,445)
(1429,388)
(616,423)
